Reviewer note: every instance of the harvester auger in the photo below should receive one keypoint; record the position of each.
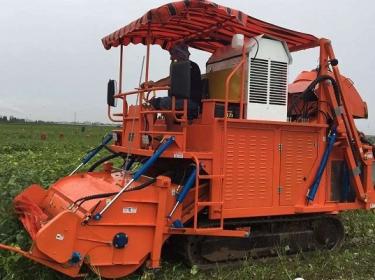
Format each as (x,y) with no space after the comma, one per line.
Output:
(254,164)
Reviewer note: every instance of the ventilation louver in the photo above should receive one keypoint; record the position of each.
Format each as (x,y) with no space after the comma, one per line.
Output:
(258,85)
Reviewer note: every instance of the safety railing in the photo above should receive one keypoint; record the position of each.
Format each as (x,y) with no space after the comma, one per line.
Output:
(143,96)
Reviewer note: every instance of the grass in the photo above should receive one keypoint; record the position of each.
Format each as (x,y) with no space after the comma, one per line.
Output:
(26,159)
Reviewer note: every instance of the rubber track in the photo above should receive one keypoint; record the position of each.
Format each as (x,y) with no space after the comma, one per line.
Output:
(269,237)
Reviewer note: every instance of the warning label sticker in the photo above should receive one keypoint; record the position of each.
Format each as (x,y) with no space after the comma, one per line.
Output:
(129,210)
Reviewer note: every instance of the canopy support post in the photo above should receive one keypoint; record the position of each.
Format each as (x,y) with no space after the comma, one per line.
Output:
(147,57)
(120,71)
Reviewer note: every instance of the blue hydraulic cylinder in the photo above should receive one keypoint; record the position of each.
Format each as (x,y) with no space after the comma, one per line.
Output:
(314,187)
(93,152)
(185,190)
(189,183)
(153,158)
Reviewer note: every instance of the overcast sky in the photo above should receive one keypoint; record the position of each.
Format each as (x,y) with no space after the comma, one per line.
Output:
(53,64)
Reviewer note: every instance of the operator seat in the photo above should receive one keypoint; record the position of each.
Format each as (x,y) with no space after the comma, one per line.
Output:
(185,83)
(180,80)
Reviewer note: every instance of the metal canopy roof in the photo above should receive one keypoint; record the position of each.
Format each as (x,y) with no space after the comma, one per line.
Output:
(202,25)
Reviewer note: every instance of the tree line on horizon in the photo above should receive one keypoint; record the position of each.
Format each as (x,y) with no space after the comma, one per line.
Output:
(12,119)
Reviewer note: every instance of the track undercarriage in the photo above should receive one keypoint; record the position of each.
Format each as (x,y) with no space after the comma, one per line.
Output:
(269,237)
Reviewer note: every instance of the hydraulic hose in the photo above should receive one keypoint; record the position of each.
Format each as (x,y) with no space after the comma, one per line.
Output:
(109,149)
(101,161)
(338,99)
(312,86)
(332,137)
(314,187)
(320,79)
(81,200)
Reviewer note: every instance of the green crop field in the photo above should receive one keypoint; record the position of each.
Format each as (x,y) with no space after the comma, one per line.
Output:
(26,159)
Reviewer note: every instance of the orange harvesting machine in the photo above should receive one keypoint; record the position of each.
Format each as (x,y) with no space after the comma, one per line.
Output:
(255,163)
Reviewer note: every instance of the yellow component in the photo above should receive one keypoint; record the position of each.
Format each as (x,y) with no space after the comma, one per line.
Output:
(216,84)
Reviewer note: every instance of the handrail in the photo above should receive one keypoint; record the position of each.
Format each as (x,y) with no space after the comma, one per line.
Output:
(140,90)
(124,111)
(196,194)
(123,95)
(242,80)
(220,100)
(225,136)
(110,115)
(198,203)
(230,76)
(184,111)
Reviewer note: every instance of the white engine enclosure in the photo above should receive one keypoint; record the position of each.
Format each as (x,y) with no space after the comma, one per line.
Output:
(267,82)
